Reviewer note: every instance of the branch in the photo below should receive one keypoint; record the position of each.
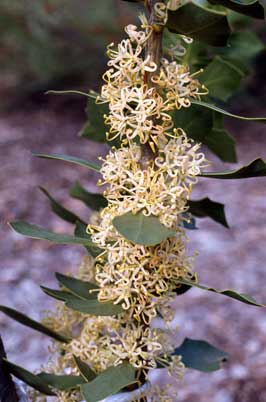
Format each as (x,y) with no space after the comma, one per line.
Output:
(154,44)
(153,50)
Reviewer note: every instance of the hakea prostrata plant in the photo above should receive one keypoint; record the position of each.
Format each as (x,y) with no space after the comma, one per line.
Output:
(106,339)
(141,278)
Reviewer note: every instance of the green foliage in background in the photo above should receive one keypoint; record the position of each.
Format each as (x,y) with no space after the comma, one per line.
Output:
(47,40)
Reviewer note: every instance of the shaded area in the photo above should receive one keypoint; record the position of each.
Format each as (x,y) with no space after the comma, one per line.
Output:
(45,44)
(7,387)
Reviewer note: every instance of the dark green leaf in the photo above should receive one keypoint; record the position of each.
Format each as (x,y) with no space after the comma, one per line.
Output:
(141,229)
(59,210)
(61,382)
(227,292)
(247,7)
(29,378)
(108,382)
(80,231)
(28,322)
(90,306)
(206,207)
(199,23)
(7,387)
(222,78)
(71,159)
(200,355)
(224,112)
(195,121)
(92,200)
(36,232)
(206,127)
(93,307)
(196,56)
(242,47)
(85,370)
(181,289)
(257,168)
(95,129)
(61,295)
(189,222)
(220,142)
(77,287)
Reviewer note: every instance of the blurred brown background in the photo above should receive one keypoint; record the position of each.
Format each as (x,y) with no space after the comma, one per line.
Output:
(60,45)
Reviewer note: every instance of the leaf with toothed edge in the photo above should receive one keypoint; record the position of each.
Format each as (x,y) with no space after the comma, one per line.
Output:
(208,208)
(200,355)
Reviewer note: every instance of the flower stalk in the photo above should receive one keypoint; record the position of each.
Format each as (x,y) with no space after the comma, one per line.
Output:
(153,51)
(153,48)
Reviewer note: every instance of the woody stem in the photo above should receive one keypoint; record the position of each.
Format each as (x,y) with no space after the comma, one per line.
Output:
(153,51)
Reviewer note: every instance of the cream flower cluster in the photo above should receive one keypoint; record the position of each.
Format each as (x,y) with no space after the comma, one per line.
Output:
(138,276)
(160,188)
(135,275)
(138,111)
(102,342)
